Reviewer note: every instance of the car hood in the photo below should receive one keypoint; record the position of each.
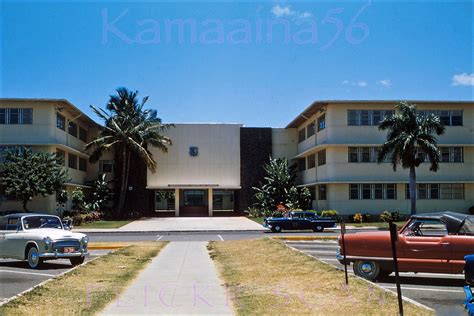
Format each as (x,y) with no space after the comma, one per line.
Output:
(55,233)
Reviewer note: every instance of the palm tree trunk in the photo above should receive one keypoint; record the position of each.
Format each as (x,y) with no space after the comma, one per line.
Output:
(127,173)
(412,187)
(123,185)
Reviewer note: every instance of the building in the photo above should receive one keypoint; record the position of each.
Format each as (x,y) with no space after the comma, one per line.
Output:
(49,125)
(211,168)
(336,154)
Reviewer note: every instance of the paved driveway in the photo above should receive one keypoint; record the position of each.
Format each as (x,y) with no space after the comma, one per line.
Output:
(16,277)
(183,224)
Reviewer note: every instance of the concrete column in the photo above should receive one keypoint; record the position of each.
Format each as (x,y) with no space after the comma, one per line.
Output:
(209,202)
(176,202)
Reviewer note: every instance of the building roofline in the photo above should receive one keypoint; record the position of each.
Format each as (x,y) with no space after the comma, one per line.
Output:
(64,101)
(316,105)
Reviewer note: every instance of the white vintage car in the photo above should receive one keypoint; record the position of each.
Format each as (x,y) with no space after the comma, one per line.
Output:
(40,237)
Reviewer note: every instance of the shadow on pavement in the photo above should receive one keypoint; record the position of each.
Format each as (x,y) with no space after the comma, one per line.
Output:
(425,281)
(45,266)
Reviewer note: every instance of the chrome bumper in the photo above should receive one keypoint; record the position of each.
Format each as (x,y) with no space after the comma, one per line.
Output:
(59,255)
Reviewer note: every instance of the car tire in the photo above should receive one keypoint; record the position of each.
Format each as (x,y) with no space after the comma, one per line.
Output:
(33,259)
(276,229)
(367,269)
(75,261)
(318,228)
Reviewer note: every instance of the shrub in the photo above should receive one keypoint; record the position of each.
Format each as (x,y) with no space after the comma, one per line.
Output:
(77,220)
(358,218)
(395,216)
(329,213)
(386,216)
(367,217)
(277,214)
(253,212)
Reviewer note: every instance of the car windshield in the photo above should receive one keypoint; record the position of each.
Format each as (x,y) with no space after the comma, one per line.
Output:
(42,221)
(468,226)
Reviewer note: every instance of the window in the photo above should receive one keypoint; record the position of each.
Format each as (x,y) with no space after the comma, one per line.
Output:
(367,117)
(376,191)
(60,156)
(16,116)
(72,161)
(17,150)
(321,122)
(301,135)
(223,200)
(106,166)
(322,192)
(82,164)
(364,154)
(72,129)
(194,198)
(310,130)
(311,161)
(456,118)
(312,191)
(301,164)
(425,227)
(445,118)
(353,156)
(164,200)
(452,154)
(60,121)
(322,157)
(435,191)
(82,134)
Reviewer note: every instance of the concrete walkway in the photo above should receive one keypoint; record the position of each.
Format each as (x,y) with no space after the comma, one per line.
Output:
(182,279)
(184,224)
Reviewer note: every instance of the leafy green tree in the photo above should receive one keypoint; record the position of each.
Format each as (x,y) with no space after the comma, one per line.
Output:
(101,194)
(78,199)
(27,174)
(128,128)
(279,186)
(410,135)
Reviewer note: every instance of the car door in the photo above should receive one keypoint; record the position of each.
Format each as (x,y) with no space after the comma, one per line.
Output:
(296,221)
(425,247)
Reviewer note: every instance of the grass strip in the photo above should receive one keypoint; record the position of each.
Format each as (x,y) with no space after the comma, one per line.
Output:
(104,224)
(89,288)
(264,276)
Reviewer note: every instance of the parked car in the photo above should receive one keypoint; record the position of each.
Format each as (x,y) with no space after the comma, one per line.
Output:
(299,221)
(432,242)
(40,237)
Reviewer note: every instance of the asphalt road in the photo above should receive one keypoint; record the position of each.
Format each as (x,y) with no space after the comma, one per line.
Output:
(442,292)
(16,277)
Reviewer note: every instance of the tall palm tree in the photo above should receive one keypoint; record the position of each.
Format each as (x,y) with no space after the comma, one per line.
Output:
(410,134)
(128,128)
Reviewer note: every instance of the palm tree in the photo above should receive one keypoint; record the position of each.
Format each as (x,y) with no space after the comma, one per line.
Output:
(128,128)
(409,135)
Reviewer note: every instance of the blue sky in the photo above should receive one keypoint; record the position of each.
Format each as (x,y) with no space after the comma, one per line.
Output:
(257,63)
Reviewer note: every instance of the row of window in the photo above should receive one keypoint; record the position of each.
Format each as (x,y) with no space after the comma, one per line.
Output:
(16,116)
(310,161)
(447,117)
(388,191)
(436,191)
(367,117)
(369,154)
(448,154)
(73,161)
(373,191)
(73,129)
(310,129)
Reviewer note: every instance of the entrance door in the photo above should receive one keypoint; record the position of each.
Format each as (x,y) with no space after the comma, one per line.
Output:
(194,203)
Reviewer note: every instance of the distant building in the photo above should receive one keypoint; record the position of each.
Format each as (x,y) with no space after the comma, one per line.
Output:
(211,168)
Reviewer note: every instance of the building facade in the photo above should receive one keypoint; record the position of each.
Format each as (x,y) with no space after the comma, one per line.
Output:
(337,149)
(210,169)
(48,125)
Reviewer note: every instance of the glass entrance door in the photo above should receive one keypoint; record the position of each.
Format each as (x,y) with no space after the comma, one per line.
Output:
(194,198)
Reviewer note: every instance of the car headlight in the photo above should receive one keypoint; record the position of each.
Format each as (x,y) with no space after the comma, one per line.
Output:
(85,240)
(47,242)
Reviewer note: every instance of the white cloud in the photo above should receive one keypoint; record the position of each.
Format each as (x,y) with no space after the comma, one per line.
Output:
(280,11)
(345,82)
(305,15)
(384,82)
(463,79)
(362,83)
(358,83)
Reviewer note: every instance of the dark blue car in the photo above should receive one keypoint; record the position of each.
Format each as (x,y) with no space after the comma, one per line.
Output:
(299,221)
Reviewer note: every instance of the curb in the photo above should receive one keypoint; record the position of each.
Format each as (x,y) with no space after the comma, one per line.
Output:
(165,232)
(103,246)
(305,238)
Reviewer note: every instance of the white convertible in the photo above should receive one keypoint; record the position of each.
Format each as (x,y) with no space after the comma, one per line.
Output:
(40,237)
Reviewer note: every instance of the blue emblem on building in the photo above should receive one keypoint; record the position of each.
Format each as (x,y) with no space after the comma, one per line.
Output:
(193,151)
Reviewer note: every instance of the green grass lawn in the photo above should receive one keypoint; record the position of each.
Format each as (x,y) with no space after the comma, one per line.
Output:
(105,224)
(257,219)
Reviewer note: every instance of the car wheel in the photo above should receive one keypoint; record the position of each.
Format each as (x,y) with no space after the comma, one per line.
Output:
(318,228)
(75,261)
(34,260)
(276,229)
(368,270)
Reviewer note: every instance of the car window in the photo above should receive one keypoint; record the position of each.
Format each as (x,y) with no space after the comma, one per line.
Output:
(468,227)
(34,222)
(11,223)
(427,228)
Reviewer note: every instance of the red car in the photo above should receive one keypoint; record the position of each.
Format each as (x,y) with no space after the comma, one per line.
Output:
(431,242)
